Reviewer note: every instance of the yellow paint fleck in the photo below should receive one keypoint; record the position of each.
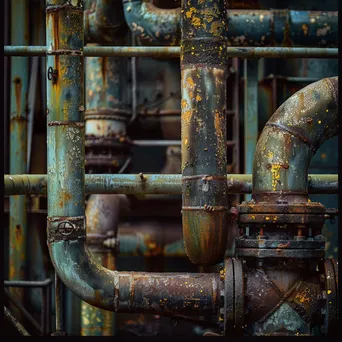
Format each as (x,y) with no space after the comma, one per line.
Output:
(270,155)
(184,103)
(198,98)
(275,169)
(253,217)
(267,218)
(186,141)
(190,82)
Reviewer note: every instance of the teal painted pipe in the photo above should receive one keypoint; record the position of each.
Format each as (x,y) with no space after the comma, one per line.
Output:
(250,113)
(18,144)
(174,51)
(289,140)
(151,184)
(91,282)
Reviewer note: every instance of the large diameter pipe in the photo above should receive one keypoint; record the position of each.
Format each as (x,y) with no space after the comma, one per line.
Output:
(91,282)
(130,184)
(203,127)
(174,51)
(18,145)
(289,140)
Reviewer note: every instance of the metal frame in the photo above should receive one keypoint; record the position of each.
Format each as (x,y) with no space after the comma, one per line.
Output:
(45,285)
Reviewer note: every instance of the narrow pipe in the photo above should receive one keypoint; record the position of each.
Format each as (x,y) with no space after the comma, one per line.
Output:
(15,323)
(289,140)
(102,215)
(163,293)
(59,302)
(27,283)
(275,27)
(18,145)
(250,113)
(105,22)
(152,25)
(131,184)
(174,51)
(203,123)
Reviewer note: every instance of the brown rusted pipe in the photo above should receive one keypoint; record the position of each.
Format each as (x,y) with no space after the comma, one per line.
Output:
(290,139)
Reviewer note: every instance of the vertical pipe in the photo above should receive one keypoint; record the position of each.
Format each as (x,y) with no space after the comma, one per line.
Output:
(251,113)
(59,296)
(203,121)
(18,144)
(65,124)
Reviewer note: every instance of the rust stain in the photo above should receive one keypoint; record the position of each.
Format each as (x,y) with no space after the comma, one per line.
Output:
(305,29)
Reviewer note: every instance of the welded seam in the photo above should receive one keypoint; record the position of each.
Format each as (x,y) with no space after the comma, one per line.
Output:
(312,147)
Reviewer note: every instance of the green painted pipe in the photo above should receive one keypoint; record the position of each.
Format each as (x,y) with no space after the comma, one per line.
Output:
(18,144)
(289,140)
(131,184)
(174,51)
(203,127)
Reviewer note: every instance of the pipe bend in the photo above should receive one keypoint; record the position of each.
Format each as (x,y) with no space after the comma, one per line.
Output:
(104,22)
(289,140)
(153,26)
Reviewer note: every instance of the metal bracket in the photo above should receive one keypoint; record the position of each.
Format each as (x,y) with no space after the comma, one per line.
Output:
(52,75)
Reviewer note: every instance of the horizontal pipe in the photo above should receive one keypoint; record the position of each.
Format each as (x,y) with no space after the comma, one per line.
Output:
(27,283)
(174,51)
(131,184)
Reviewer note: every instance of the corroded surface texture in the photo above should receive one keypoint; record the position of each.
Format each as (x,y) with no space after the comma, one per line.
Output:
(153,26)
(150,184)
(292,135)
(203,120)
(18,146)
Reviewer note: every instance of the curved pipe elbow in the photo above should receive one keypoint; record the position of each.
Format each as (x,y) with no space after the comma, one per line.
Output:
(104,22)
(152,25)
(87,279)
(290,139)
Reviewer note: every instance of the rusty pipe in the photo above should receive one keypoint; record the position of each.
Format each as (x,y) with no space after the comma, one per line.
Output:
(153,26)
(289,140)
(203,123)
(104,21)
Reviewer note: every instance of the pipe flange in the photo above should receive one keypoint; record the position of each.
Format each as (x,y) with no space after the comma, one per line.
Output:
(108,114)
(311,213)
(233,297)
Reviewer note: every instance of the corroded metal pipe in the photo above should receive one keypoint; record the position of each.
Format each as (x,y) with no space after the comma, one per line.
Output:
(91,282)
(174,51)
(275,27)
(18,146)
(203,120)
(152,25)
(131,184)
(102,214)
(104,21)
(290,138)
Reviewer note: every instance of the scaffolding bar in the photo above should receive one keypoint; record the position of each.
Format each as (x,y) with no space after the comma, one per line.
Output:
(131,184)
(174,51)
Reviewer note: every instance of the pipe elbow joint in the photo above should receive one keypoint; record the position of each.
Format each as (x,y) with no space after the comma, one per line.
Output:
(152,25)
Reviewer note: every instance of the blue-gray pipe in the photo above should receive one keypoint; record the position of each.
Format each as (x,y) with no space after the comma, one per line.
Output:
(274,27)
(289,140)
(104,22)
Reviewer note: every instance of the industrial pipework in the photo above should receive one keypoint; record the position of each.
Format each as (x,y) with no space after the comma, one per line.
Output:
(279,282)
